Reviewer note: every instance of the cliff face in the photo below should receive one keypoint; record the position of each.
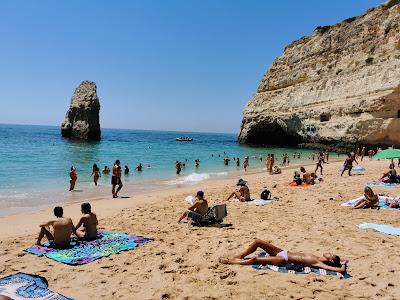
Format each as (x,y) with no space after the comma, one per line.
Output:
(339,85)
(82,118)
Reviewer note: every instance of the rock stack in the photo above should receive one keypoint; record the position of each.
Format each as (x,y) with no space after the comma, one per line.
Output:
(82,118)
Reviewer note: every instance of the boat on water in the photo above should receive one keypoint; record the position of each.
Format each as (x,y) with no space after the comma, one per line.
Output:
(184,139)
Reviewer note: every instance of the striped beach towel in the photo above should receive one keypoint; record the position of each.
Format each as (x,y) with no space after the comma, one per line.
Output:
(298,270)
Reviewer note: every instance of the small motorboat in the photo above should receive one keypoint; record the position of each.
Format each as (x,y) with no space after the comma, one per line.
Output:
(184,139)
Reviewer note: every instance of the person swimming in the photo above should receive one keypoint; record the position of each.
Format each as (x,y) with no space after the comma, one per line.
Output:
(280,257)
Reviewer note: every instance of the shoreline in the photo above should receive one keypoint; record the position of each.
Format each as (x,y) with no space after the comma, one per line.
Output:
(183,261)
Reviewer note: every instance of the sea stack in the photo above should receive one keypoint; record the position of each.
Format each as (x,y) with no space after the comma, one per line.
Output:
(82,118)
(338,87)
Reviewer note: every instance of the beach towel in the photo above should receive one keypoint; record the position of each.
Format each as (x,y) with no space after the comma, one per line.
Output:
(355,169)
(24,286)
(294,184)
(382,184)
(384,201)
(297,269)
(83,252)
(255,201)
(381,228)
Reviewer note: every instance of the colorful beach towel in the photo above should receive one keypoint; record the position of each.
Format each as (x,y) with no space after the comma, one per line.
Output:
(382,184)
(83,252)
(23,286)
(381,228)
(384,201)
(297,269)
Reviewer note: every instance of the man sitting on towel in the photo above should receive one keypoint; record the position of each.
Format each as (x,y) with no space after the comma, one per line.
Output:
(88,222)
(198,210)
(62,230)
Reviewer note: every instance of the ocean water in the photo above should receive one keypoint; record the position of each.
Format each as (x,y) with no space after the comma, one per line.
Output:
(35,161)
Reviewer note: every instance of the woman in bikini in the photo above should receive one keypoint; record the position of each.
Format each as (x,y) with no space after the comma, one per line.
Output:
(370,199)
(95,173)
(280,257)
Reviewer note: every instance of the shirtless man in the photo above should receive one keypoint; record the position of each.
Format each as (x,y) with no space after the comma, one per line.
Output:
(89,223)
(306,175)
(73,177)
(199,209)
(348,163)
(116,178)
(320,161)
(243,194)
(62,230)
(280,257)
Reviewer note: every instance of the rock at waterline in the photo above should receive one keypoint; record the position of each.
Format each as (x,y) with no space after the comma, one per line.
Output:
(82,118)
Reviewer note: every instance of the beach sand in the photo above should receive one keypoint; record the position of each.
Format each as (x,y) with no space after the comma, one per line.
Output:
(182,262)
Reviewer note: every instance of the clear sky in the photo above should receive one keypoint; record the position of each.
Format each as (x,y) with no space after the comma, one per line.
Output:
(158,64)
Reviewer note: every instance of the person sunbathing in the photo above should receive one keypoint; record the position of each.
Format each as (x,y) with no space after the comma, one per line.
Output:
(198,210)
(243,194)
(297,179)
(390,176)
(306,175)
(370,199)
(276,170)
(280,257)
(89,223)
(62,230)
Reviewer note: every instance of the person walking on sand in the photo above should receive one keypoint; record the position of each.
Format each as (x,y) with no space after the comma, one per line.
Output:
(348,164)
(268,161)
(62,228)
(246,163)
(362,153)
(320,161)
(96,174)
(116,178)
(280,257)
(271,163)
(73,178)
(89,223)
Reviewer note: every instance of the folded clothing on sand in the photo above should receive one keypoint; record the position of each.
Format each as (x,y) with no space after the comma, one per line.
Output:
(384,201)
(297,269)
(83,252)
(24,286)
(381,228)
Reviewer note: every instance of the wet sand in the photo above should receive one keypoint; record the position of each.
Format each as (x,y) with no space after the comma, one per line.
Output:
(182,262)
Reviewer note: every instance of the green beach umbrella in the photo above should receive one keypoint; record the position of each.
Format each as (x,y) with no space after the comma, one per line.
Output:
(388,153)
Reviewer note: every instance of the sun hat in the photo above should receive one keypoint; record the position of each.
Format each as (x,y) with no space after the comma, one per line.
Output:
(241,182)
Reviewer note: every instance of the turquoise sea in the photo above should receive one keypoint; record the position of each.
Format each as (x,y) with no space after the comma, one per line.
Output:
(35,161)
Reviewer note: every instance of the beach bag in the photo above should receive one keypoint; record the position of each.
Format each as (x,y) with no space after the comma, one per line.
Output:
(265,195)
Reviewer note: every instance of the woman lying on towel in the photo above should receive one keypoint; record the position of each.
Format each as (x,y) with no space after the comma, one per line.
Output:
(370,199)
(279,257)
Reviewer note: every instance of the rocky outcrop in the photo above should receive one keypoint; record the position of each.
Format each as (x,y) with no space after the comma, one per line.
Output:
(341,85)
(82,118)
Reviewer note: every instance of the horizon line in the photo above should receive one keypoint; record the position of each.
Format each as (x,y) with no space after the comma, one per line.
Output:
(139,129)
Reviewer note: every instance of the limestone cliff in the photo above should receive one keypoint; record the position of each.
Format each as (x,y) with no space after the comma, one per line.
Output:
(82,118)
(341,85)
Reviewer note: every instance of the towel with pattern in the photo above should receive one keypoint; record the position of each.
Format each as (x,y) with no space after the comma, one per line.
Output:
(381,228)
(83,252)
(23,286)
(297,269)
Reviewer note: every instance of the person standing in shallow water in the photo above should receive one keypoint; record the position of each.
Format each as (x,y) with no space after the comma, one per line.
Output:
(96,174)
(116,178)
(73,178)
(246,163)
(178,167)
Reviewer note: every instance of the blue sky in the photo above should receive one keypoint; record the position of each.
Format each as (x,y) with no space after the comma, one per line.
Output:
(158,64)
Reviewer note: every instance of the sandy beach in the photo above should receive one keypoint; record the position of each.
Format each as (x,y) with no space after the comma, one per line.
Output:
(183,261)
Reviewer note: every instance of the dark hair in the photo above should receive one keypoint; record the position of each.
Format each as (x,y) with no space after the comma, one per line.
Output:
(117,162)
(95,167)
(302,169)
(349,154)
(86,208)
(72,168)
(336,262)
(200,194)
(58,211)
